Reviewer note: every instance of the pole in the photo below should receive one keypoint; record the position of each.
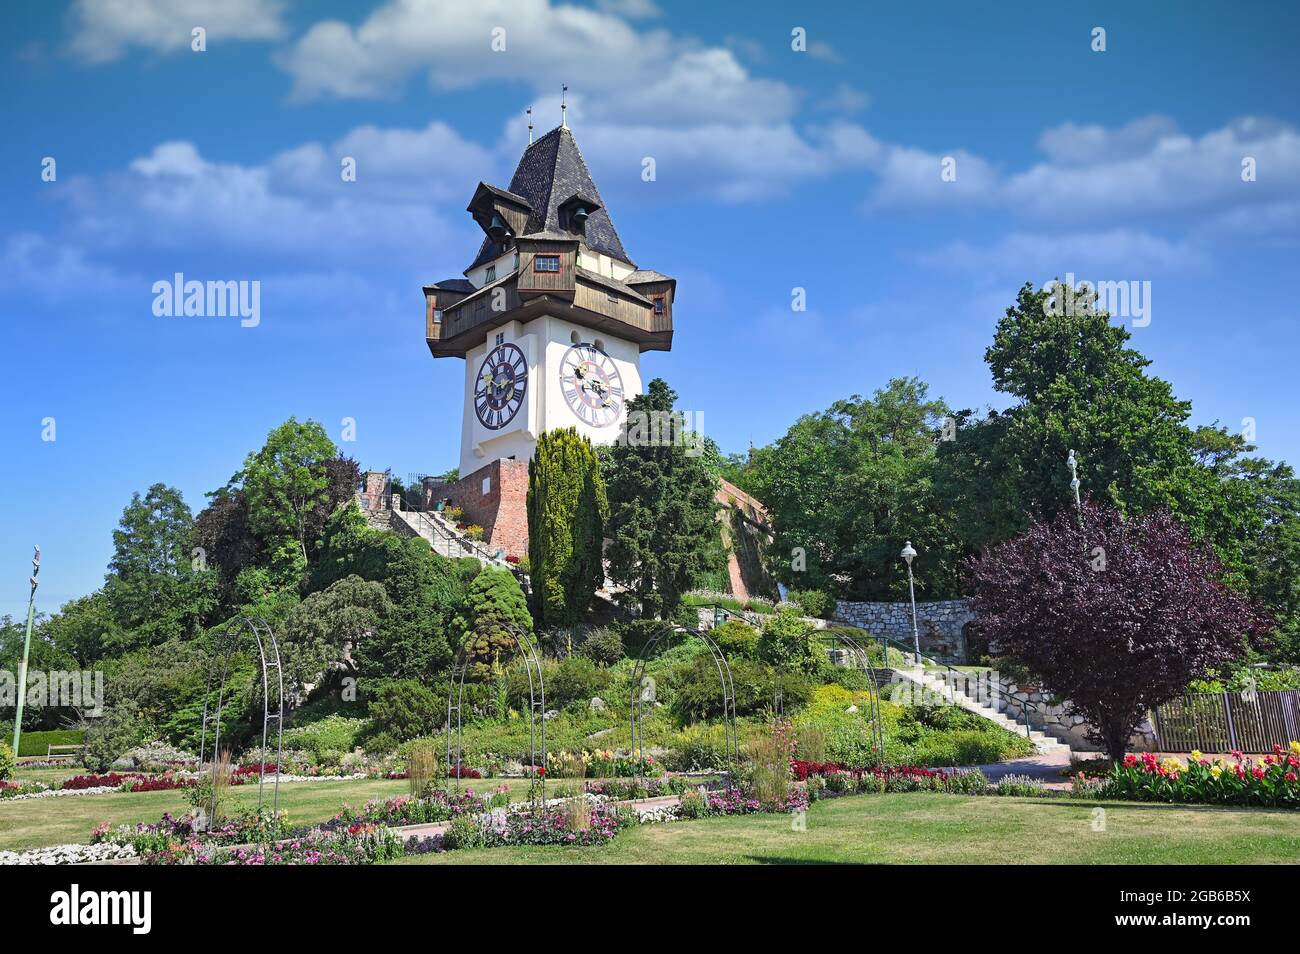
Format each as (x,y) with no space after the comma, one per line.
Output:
(916,636)
(27,647)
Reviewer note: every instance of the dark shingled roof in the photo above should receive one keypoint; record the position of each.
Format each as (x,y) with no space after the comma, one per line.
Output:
(454,284)
(550,172)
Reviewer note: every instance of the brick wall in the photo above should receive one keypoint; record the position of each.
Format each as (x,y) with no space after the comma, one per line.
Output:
(502,510)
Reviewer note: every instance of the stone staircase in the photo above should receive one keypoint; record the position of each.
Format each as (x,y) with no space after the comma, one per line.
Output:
(440,533)
(934,686)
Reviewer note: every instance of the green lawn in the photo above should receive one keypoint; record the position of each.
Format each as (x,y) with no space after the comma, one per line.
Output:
(38,822)
(941,829)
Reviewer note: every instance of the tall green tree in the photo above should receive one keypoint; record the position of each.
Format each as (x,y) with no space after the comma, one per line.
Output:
(286,482)
(661,504)
(567,513)
(155,588)
(492,620)
(1079,385)
(847,487)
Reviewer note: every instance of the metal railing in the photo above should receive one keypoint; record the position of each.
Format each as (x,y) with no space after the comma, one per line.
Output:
(422,515)
(956,676)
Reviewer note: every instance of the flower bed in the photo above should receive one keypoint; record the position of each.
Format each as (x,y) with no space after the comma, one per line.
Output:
(439,806)
(68,854)
(1271,782)
(553,825)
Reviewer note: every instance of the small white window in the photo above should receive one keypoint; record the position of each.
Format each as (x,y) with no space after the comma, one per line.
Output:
(487,486)
(501,337)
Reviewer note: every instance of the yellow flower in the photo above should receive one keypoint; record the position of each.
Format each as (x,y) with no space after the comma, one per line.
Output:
(1295,747)
(1216,770)
(1196,755)
(1172,765)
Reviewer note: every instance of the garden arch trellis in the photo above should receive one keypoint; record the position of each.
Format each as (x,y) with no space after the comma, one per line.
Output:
(642,694)
(855,649)
(536,699)
(264,639)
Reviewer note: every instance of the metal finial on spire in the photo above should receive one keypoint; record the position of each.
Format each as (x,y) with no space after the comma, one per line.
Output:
(564,95)
(530,125)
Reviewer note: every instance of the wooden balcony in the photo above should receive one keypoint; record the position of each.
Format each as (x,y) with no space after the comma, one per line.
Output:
(456,323)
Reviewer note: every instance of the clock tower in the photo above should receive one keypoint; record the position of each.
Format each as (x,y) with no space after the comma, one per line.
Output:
(551,319)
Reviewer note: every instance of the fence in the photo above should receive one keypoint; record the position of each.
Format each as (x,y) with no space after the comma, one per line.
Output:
(1222,722)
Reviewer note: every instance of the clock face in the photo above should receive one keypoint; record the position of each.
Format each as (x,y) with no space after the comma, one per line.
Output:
(502,383)
(591,384)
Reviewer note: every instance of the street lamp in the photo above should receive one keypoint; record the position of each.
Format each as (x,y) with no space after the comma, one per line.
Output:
(1073,464)
(908,555)
(27,645)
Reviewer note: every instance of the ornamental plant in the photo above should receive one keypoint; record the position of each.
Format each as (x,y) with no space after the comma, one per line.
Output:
(7,761)
(567,514)
(1272,781)
(1115,614)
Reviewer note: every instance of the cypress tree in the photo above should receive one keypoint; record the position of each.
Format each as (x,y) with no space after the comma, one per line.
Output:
(567,512)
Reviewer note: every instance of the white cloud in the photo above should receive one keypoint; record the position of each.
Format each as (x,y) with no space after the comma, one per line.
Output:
(1107,255)
(624,71)
(175,199)
(103,30)
(52,273)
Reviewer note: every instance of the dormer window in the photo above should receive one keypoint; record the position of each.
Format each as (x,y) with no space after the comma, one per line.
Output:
(491,274)
(546,263)
(658,304)
(437,315)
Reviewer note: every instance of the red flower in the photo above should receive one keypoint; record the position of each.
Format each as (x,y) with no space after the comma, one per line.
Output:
(1257,771)
(1130,760)
(1290,776)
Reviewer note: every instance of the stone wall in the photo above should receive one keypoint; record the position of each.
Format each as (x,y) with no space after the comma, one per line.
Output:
(1058,720)
(941,624)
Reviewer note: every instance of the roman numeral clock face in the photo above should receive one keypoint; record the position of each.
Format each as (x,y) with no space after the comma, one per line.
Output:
(502,383)
(591,384)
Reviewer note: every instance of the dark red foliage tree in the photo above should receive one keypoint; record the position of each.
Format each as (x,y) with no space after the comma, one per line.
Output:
(1117,616)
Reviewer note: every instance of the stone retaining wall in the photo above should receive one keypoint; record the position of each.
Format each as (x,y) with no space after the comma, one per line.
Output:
(940,624)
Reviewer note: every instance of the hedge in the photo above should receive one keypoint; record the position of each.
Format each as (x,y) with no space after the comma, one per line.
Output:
(38,743)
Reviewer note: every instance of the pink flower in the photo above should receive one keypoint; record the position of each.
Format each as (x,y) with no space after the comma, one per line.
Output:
(1257,771)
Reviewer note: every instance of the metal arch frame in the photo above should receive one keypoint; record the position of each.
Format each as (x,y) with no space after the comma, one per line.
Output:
(263,635)
(732,737)
(864,662)
(536,700)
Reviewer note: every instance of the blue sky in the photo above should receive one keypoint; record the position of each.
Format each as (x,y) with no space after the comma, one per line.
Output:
(776,169)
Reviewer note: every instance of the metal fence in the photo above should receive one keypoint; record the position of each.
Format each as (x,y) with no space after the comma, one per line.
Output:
(1222,722)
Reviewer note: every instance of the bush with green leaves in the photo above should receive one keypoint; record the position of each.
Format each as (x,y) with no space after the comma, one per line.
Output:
(120,727)
(737,639)
(789,644)
(402,709)
(494,609)
(602,645)
(698,748)
(817,603)
(639,633)
(7,761)
(326,740)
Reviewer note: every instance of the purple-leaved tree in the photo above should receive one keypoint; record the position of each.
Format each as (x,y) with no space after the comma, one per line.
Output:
(1118,617)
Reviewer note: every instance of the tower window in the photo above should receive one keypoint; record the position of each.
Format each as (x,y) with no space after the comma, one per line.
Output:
(491,275)
(501,337)
(659,304)
(437,315)
(546,263)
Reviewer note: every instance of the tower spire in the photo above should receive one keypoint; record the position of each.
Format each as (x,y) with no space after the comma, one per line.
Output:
(564,107)
(530,125)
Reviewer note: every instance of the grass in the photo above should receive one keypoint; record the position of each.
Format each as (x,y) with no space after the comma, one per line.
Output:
(926,828)
(38,822)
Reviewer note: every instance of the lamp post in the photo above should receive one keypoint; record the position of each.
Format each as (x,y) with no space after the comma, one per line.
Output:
(27,646)
(908,555)
(1073,464)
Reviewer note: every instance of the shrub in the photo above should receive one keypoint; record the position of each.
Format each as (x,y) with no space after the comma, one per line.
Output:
(817,603)
(1020,786)
(602,645)
(120,728)
(330,736)
(575,679)
(698,748)
(788,643)
(7,761)
(638,633)
(403,709)
(770,754)
(493,602)
(736,639)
